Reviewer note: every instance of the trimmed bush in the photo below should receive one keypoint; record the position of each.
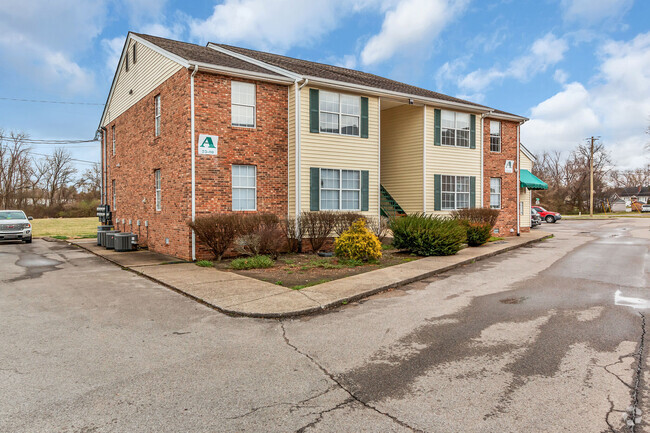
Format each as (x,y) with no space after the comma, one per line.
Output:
(259,234)
(255,262)
(292,234)
(379,226)
(477,215)
(358,243)
(344,221)
(477,233)
(216,231)
(318,227)
(427,235)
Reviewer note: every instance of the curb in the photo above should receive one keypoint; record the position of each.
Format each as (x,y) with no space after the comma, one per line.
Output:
(322,308)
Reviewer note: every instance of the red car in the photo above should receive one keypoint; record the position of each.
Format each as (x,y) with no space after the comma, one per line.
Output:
(548,216)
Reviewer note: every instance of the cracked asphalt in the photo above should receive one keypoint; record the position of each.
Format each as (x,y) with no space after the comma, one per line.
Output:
(547,338)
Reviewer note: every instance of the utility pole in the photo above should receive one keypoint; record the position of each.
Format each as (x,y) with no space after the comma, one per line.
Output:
(591,177)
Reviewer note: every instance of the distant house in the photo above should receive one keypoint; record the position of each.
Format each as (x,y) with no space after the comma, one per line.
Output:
(618,205)
(635,193)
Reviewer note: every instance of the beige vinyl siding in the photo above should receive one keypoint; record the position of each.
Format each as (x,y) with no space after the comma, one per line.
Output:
(292,151)
(453,161)
(340,151)
(150,70)
(402,135)
(525,195)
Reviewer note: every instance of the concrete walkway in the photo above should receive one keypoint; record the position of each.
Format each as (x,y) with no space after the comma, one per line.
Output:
(239,295)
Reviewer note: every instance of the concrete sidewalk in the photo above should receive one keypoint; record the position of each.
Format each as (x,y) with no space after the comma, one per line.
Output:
(239,295)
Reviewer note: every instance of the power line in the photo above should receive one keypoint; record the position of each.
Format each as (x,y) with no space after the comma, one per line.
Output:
(83,161)
(48,141)
(41,101)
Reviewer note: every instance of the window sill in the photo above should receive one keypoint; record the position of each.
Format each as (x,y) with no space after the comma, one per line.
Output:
(249,128)
(336,134)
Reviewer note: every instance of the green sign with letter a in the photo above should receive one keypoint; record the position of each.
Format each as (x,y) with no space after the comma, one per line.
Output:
(208,144)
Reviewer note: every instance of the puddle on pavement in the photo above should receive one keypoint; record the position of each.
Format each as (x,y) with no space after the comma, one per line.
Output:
(627,301)
(35,266)
(36,261)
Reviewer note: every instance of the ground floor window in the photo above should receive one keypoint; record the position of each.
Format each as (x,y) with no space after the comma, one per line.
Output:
(244,187)
(495,192)
(455,192)
(158,187)
(340,189)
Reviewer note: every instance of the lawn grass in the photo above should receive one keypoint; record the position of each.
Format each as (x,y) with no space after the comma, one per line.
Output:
(68,227)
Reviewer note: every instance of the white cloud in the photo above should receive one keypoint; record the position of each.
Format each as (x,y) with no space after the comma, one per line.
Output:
(544,53)
(273,24)
(561,76)
(45,38)
(590,12)
(113,51)
(616,107)
(409,24)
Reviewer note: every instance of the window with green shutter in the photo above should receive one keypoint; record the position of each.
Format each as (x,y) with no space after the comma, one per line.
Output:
(313,110)
(436,130)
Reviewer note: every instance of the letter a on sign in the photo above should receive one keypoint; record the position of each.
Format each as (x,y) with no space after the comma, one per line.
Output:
(208,144)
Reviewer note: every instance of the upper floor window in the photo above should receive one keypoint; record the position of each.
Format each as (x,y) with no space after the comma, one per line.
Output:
(455,192)
(339,113)
(113,137)
(340,189)
(244,187)
(495,136)
(455,128)
(495,192)
(158,188)
(243,104)
(156,101)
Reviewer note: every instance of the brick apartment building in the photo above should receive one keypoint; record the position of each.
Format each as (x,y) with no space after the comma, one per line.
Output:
(190,130)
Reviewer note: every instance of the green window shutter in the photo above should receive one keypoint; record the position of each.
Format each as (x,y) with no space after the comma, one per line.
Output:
(472,132)
(313,111)
(314,188)
(364,190)
(364,117)
(436,129)
(472,191)
(437,194)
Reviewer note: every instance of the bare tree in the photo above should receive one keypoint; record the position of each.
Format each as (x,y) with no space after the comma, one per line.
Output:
(90,180)
(15,169)
(58,173)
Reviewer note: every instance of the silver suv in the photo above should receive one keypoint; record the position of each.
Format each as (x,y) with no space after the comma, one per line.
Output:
(15,225)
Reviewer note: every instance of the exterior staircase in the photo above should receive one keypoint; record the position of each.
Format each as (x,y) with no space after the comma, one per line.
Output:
(388,206)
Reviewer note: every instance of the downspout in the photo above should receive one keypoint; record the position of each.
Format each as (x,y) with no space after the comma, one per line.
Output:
(424,159)
(483,116)
(103,153)
(518,184)
(378,161)
(196,68)
(298,174)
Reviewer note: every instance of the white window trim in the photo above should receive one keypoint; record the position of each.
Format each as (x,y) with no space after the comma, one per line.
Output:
(339,114)
(113,138)
(495,136)
(158,188)
(244,105)
(157,115)
(232,188)
(456,129)
(340,189)
(456,193)
(499,193)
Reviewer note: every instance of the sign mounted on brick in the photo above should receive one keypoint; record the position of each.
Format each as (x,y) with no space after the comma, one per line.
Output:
(509,165)
(208,144)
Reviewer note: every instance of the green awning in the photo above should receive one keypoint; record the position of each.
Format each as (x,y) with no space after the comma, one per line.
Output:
(530,181)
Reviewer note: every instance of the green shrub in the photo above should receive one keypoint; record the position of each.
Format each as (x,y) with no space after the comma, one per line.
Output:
(358,243)
(427,235)
(204,263)
(477,233)
(344,220)
(255,262)
(477,215)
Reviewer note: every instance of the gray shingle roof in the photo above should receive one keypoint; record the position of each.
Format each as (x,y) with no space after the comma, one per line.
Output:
(201,54)
(337,73)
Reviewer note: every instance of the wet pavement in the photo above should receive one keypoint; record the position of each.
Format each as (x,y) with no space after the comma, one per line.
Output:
(547,338)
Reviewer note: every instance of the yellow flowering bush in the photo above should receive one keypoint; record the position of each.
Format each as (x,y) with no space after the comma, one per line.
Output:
(358,243)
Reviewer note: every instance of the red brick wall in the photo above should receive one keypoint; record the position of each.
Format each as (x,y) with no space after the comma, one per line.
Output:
(264,146)
(494,166)
(138,153)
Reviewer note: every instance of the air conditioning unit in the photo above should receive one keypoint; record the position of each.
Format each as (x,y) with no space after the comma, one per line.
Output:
(125,241)
(110,239)
(100,230)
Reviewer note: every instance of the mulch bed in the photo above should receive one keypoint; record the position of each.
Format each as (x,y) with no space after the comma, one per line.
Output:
(298,271)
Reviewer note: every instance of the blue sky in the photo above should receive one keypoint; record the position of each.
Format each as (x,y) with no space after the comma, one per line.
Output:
(575,67)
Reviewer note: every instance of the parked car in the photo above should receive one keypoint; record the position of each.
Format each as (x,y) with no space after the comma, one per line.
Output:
(548,216)
(645,207)
(535,218)
(15,225)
